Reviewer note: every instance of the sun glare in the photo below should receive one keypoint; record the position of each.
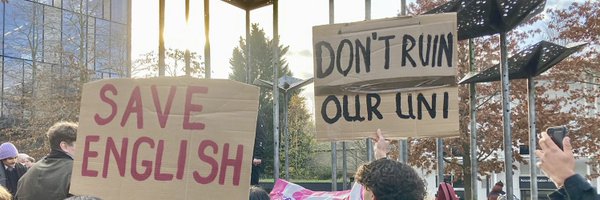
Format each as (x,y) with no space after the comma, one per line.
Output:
(178,33)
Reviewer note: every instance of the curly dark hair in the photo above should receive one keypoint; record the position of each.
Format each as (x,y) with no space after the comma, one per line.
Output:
(391,180)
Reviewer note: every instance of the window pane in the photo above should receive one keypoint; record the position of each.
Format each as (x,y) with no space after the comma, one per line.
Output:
(47,2)
(19,24)
(102,44)
(106,10)
(91,45)
(27,89)
(52,32)
(119,11)
(2,29)
(13,79)
(95,8)
(77,6)
(43,80)
(71,40)
(118,48)
(57,3)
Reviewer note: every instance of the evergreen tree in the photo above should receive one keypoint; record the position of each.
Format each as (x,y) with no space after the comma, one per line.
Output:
(261,54)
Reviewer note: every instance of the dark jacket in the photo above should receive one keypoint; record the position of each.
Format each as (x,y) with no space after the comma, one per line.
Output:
(48,179)
(496,192)
(575,188)
(260,138)
(4,177)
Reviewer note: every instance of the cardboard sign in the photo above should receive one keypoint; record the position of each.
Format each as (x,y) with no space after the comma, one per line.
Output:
(368,65)
(165,138)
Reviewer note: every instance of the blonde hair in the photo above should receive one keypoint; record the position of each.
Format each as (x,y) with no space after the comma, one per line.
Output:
(4,194)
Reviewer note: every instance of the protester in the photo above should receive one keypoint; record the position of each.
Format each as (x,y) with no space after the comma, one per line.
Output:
(49,179)
(258,152)
(386,179)
(257,193)
(83,197)
(446,192)
(4,194)
(496,191)
(25,160)
(10,170)
(559,166)
(30,162)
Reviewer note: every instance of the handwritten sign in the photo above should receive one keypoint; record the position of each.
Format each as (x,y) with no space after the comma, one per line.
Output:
(397,74)
(165,138)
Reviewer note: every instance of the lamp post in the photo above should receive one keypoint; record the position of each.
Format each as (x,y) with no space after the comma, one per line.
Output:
(287,84)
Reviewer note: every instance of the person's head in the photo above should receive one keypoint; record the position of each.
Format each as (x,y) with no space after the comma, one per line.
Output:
(389,180)
(498,186)
(24,159)
(21,158)
(62,136)
(257,193)
(8,154)
(30,162)
(83,197)
(4,194)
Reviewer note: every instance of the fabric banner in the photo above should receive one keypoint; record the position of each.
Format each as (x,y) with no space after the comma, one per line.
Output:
(284,190)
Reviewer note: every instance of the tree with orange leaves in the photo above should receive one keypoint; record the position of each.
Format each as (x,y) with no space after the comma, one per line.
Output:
(575,80)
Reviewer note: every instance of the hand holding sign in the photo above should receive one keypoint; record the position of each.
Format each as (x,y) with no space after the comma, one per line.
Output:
(381,145)
(256,162)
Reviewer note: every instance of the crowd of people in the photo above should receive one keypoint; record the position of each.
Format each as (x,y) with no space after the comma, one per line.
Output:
(383,179)
(48,179)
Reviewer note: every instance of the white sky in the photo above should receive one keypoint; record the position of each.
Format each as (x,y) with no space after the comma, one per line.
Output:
(227,25)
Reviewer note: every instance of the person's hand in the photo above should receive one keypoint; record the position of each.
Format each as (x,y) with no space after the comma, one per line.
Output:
(381,145)
(556,164)
(256,162)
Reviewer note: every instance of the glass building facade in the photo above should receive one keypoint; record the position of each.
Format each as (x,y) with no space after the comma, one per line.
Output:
(51,46)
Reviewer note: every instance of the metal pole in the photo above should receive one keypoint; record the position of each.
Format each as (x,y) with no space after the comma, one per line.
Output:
(403,8)
(506,116)
(404,151)
(128,73)
(333,143)
(532,138)
(334,166)
(367,9)
(403,144)
(286,135)
(473,105)
(187,50)
(207,39)
(161,37)
(275,91)
(368,140)
(248,58)
(440,159)
(344,167)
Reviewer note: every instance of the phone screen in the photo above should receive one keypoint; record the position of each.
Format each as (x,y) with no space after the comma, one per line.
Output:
(557,134)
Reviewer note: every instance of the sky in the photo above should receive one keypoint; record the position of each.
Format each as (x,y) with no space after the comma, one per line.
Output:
(227,26)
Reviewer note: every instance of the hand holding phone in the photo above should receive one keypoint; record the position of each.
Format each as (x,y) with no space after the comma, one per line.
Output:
(557,133)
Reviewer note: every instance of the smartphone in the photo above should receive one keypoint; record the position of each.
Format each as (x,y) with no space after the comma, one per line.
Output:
(557,133)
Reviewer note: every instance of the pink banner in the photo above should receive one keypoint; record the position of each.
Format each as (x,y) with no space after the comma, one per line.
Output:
(283,190)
